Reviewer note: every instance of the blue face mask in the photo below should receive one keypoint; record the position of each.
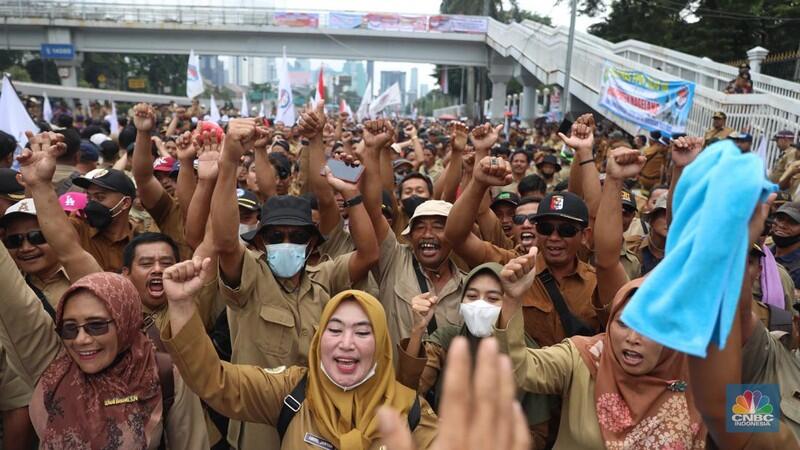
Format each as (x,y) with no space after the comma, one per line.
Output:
(286,259)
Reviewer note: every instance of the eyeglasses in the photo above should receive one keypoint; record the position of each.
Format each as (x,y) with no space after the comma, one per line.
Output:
(92,328)
(519,219)
(295,237)
(34,237)
(566,230)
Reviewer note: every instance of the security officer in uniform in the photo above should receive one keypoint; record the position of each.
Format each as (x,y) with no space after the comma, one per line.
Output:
(630,262)
(718,130)
(788,154)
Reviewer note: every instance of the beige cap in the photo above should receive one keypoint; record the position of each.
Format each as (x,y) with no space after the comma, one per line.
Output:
(429,208)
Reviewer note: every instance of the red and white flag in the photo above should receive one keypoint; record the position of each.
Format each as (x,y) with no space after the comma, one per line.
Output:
(344,107)
(320,95)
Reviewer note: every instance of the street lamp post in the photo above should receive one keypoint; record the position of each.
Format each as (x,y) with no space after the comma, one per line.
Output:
(565,103)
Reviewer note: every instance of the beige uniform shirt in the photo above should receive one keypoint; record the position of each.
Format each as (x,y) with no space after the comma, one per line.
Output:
(398,284)
(14,393)
(255,394)
(106,252)
(271,327)
(713,133)
(168,216)
(31,343)
(54,288)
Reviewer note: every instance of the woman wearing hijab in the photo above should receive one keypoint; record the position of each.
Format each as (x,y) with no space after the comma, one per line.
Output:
(421,362)
(619,389)
(349,375)
(95,375)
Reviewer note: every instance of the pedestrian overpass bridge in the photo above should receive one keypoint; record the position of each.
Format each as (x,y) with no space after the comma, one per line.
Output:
(532,52)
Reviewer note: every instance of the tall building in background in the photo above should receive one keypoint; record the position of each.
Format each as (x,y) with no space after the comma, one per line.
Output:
(412,87)
(212,69)
(390,77)
(358,72)
(423,90)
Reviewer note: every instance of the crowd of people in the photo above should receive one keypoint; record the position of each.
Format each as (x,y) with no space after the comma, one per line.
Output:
(390,283)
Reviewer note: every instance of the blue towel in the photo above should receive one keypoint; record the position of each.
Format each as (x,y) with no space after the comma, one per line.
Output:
(690,298)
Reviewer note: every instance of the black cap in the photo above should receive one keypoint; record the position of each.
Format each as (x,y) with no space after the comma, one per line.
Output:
(512,198)
(284,210)
(111,179)
(9,186)
(565,205)
(550,159)
(628,200)
(247,199)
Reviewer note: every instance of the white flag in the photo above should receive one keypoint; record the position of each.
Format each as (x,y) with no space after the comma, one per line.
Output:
(47,109)
(14,118)
(285,111)
(245,111)
(762,153)
(363,108)
(194,81)
(261,111)
(390,97)
(213,111)
(112,119)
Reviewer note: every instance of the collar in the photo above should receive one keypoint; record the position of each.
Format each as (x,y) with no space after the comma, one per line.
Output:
(582,269)
(349,388)
(128,236)
(60,274)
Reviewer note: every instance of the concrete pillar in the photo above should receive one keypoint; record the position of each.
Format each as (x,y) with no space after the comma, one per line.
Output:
(371,76)
(527,109)
(470,98)
(68,68)
(756,56)
(500,71)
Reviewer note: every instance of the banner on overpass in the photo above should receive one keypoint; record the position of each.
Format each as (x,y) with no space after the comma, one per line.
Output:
(290,19)
(344,21)
(458,24)
(648,102)
(396,22)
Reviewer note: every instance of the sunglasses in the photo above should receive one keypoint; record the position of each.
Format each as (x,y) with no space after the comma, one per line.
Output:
(34,237)
(295,237)
(92,328)
(566,230)
(519,219)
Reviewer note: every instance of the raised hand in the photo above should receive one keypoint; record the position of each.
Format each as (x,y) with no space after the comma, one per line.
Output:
(347,138)
(184,279)
(685,149)
(208,158)
(517,277)
(345,188)
(624,163)
(582,133)
(492,171)
(240,136)
(458,136)
(186,148)
(411,131)
(312,122)
(424,307)
(144,117)
(263,139)
(483,137)
(378,134)
(38,163)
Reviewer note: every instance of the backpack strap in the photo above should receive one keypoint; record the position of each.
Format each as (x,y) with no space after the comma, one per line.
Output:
(42,298)
(166,378)
(291,404)
(154,334)
(414,415)
(423,288)
(573,326)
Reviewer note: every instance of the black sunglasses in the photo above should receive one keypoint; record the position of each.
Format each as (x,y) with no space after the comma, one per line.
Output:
(295,237)
(92,328)
(34,237)
(519,219)
(566,230)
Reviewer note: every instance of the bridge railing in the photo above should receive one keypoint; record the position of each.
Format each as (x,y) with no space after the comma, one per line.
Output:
(244,15)
(541,50)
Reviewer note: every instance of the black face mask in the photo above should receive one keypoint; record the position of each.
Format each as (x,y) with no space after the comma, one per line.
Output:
(785,241)
(410,204)
(97,215)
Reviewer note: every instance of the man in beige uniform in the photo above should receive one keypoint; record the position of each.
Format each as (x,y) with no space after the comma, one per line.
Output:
(718,130)
(786,162)
(15,395)
(275,299)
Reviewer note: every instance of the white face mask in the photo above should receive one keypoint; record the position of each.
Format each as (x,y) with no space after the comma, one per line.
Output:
(480,316)
(245,228)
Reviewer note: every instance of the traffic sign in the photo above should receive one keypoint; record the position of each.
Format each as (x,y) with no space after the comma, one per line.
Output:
(58,51)
(137,83)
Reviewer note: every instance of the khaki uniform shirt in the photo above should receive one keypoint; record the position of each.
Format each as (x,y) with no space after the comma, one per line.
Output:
(766,361)
(255,394)
(168,216)
(338,243)
(656,156)
(788,156)
(433,173)
(31,344)
(54,288)
(398,284)
(713,133)
(107,253)
(14,393)
(271,328)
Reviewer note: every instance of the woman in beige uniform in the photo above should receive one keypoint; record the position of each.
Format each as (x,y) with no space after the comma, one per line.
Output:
(95,375)
(349,375)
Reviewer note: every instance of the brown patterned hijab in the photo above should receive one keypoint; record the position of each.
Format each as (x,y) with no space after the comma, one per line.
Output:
(655,410)
(74,410)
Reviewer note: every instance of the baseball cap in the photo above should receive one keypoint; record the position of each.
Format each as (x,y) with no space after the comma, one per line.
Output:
(98,139)
(739,136)
(784,134)
(24,207)
(565,205)
(661,204)
(628,201)
(286,210)
(399,162)
(512,198)
(719,115)
(550,159)
(791,209)
(88,152)
(429,208)
(247,199)
(164,164)
(9,187)
(111,179)
(73,201)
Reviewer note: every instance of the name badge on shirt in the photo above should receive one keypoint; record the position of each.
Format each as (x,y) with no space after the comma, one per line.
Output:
(317,441)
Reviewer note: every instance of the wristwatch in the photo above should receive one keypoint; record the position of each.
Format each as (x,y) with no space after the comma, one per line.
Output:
(353,201)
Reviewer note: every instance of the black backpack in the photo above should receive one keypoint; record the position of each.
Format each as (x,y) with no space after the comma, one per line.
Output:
(293,402)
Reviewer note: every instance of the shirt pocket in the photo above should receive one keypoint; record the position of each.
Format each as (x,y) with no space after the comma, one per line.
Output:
(277,332)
